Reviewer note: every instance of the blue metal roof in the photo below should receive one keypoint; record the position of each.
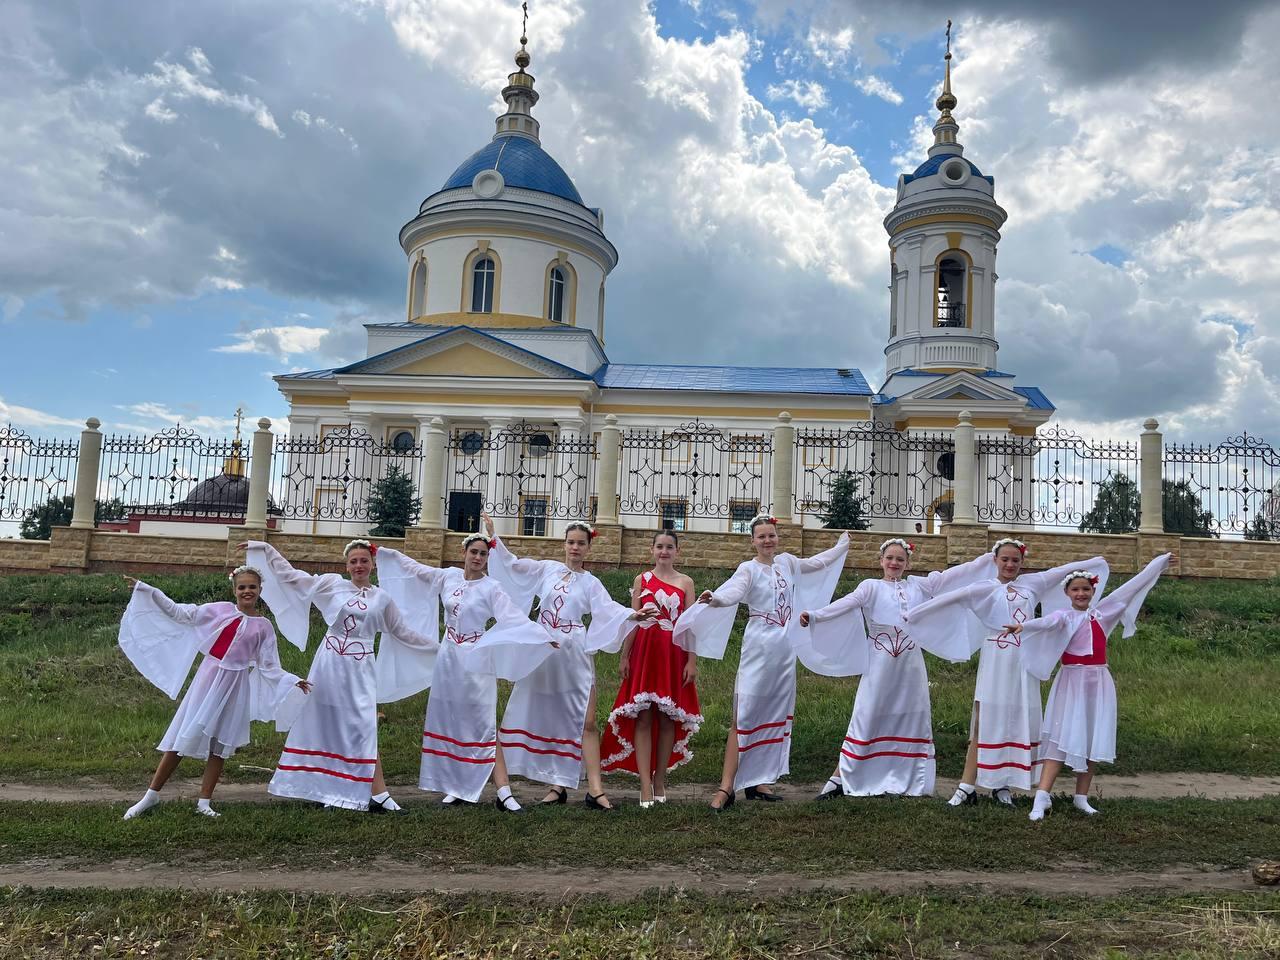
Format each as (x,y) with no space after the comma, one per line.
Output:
(934,164)
(1036,399)
(310,375)
(663,376)
(522,163)
(912,372)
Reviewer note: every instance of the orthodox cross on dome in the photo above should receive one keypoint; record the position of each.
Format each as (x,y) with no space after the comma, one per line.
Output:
(945,130)
(519,92)
(239,417)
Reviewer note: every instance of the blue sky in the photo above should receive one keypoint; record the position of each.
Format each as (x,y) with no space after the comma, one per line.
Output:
(194,200)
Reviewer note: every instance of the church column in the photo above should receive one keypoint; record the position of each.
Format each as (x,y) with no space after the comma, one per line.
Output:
(431,483)
(90,462)
(255,517)
(607,472)
(1150,478)
(784,458)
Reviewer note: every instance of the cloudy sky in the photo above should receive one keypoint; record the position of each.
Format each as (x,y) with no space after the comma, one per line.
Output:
(197,196)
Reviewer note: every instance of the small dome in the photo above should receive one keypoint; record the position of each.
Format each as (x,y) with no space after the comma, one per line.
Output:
(934,164)
(522,164)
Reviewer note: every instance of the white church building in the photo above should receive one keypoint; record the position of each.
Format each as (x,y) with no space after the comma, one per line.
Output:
(503,349)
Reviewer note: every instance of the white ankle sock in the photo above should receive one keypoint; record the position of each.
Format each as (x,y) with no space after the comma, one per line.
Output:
(1002,795)
(508,801)
(963,792)
(1041,806)
(149,800)
(659,798)
(1081,803)
(385,801)
(202,807)
(449,798)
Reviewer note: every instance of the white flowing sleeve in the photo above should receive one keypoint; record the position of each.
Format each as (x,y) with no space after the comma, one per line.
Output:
(611,622)
(512,648)
(160,637)
(838,631)
(406,657)
(977,612)
(271,686)
(519,577)
(414,589)
(1047,584)
(1044,639)
(819,574)
(1124,602)
(704,628)
(287,591)
(981,567)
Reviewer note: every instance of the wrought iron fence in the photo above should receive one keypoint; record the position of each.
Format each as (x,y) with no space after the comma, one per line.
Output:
(173,473)
(524,470)
(898,475)
(34,471)
(694,470)
(1058,478)
(332,476)
(1227,487)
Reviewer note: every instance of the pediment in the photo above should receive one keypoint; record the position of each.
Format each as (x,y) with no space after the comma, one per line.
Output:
(964,386)
(462,352)
(466,360)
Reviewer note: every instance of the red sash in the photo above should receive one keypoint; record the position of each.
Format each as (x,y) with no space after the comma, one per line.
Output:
(223,643)
(1097,656)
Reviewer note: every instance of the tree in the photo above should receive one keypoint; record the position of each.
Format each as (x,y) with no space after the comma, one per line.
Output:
(846,510)
(1262,529)
(39,521)
(1181,510)
(392,505)
(1118,508)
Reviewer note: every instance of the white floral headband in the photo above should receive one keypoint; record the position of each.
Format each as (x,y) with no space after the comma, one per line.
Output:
(898,542)
(1009,542)
(471,538)
(760,518)
(244,568)
(359,545)
(1079,575)
(582,525)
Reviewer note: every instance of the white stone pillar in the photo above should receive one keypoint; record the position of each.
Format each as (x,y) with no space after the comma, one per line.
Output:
(962,488)
(431,482)
(1150,476)
(784,459)
(90,462)
(255,517)
(607,472)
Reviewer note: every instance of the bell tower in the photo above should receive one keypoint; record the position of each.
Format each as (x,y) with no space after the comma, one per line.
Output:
(943,233)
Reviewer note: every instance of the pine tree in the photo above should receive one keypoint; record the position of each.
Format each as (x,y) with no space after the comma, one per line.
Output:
(846,510)
(39,521)
(392,504)
(1118,508)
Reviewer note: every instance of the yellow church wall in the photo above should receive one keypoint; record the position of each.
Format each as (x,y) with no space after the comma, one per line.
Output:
(507,321)
(467,360)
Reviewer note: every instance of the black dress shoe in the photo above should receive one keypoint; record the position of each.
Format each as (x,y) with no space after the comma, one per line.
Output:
(562,796)
(728,800)
(501,805)
(752,793)
(592,802)
(832,794)
(380,806)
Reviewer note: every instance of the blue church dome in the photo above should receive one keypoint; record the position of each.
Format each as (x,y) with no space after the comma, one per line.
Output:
(522,163)
(934,164)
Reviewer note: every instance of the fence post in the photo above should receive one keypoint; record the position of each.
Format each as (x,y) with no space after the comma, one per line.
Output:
(1150,475)
(784,458)
(87,475)
(255,516)
(607,472)
(966,468)
(432,481)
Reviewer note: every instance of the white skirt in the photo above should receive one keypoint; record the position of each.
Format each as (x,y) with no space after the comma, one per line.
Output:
(1080,717)
(541,732)
(213,717)
(459,734)
(764,701)
(1007,732)
(888,748)
(331,753)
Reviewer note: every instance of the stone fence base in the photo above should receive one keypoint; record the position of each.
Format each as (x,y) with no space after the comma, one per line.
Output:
(96,551)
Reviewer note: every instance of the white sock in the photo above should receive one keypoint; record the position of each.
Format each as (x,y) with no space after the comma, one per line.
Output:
(149,800)
(508,801)
(202,807)
(449,798)
(1002,795)
(963,792)
(659,798)
(384,799)
(1041,806)
(1081,803)
(831,786)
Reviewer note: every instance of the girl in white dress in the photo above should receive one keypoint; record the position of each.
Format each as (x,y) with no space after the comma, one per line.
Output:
(1004,729)
(331,754)
(239,678)
(549,732)
(888,748)
(460,749)
(1080,717)
(772,585)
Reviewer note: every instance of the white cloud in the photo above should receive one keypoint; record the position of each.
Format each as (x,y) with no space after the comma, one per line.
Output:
(157,110)
(179,83)
(156,415)
(280,342)
(305,119)
(808,94)
(874,86)
(20,416)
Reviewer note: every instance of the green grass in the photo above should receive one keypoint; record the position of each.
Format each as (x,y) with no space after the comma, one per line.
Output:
(1195,688)
(679,926)
(807,838)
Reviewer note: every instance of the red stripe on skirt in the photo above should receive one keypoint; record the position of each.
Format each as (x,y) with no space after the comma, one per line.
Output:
(332,773)
(761,743)
(454,756)
(534,736)
(885,753)
(331,756)
(867,743)
(557,753)
(459,743)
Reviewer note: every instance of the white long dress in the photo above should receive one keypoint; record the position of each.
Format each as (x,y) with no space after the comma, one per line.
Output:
(239,678)
(459,734)
(541,732)
(332,748)
(888,747)
(1080,717)
(1006,728)
(764,692)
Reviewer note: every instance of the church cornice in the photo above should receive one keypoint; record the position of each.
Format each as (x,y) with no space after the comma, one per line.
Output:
(513,220)
(931,212)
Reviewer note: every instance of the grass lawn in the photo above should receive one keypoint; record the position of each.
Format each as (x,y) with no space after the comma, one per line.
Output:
(1196,688)
(54,924)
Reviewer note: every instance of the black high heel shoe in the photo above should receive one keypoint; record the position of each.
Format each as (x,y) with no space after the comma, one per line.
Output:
(592,802)
(562,796)
(728,800)
(752,793)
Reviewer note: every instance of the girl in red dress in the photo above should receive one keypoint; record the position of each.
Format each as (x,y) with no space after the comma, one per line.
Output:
(658,683)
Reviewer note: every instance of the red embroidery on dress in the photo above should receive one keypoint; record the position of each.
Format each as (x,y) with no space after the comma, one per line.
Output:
(780,616)
(454,613)
(344,646)
(551,618)
(1006,640)
(895,645)
(456,637)
(358,601)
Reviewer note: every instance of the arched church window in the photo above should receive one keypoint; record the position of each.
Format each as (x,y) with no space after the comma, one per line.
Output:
(946,466)
(418,289)
(556,295)
(950,296)
(482,276)
(471,443)
(402,441)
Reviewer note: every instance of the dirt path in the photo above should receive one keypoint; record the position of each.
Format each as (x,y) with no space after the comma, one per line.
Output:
(552,883)
(1210,786)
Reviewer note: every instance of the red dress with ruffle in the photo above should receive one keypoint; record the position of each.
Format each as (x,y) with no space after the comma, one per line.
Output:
(656,679)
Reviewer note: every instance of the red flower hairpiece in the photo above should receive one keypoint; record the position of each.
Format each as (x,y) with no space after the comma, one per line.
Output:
(373,549)
(911,547)
(492,543)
